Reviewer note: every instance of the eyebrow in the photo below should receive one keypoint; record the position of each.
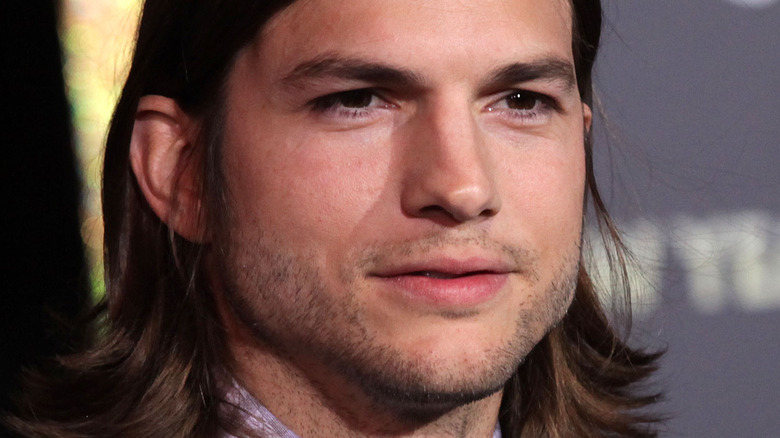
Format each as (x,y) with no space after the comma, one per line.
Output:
(548,69)
(334,66)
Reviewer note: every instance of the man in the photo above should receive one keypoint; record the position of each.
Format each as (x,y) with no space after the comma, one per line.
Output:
(351,218)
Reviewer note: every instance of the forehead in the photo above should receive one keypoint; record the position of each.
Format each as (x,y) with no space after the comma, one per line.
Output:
(419,33)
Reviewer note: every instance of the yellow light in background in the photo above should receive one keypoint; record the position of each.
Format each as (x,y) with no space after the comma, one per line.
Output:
(97,38)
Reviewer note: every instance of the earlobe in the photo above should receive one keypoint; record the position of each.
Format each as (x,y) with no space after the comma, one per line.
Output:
(166,166)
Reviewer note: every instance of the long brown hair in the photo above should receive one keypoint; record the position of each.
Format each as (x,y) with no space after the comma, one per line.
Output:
(156,361)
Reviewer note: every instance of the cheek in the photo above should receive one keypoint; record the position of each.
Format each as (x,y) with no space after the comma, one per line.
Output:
(304,189)
(546,195)
(559,192)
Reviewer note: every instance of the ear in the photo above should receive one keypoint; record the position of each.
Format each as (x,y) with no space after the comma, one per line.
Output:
(587,117)
(165,164)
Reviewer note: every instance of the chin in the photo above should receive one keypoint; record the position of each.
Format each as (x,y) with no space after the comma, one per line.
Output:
(426,383)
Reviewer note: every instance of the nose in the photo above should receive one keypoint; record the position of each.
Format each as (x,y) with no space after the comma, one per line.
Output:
(450,175)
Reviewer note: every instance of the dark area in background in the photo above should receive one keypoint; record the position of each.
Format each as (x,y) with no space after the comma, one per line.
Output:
(44,271)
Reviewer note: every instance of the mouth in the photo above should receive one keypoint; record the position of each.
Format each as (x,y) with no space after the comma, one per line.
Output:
(445,284)
(439,275)
(446,268)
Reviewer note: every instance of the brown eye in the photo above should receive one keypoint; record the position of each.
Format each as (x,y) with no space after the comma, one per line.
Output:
(352,99)
(522,100)
(355,98)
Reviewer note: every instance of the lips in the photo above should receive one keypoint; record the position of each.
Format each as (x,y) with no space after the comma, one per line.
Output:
(446,267)
(445,282)
(445,275)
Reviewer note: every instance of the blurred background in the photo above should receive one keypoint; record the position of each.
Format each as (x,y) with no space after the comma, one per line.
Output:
(687,153)
(690,161)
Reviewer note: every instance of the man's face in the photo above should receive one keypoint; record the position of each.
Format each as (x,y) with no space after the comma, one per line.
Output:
(406,185)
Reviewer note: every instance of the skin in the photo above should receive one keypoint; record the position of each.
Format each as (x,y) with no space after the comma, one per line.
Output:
(337,198)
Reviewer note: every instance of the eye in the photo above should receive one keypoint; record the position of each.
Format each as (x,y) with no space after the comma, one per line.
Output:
(364,99)
(523,100)
(524,107)
(346,99)
(363,104)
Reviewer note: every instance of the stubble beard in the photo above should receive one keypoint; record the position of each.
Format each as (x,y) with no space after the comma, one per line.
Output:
(282,298)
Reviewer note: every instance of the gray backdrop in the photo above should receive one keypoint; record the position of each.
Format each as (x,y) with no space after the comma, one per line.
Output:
(691,90)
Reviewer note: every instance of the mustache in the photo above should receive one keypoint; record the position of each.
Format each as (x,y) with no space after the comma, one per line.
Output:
(382,253)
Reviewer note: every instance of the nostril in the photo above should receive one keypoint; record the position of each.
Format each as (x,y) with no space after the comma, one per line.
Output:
(438,213)
(454,215)
(489,212)
(433,209)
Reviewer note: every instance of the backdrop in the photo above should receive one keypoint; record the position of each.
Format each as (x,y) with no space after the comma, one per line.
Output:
(691,92)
